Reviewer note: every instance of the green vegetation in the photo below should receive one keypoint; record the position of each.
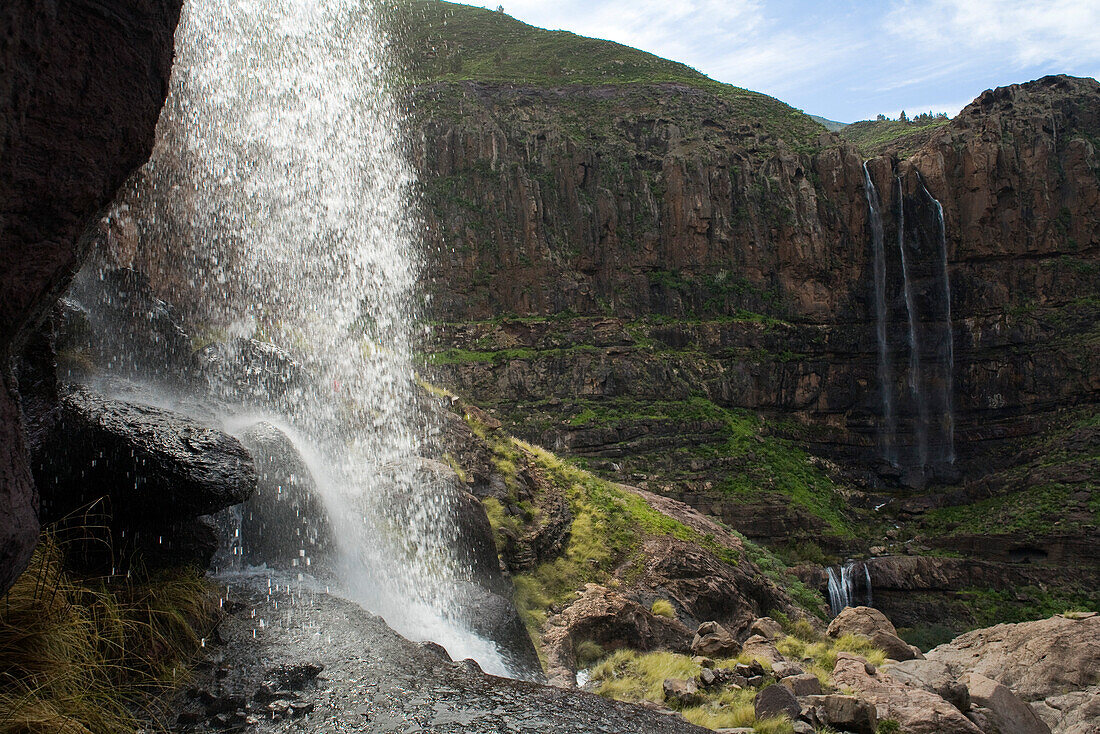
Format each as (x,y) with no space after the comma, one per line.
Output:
(1032,511)
(627,675)
(609,526)
(663,608)
(632,676)
(79,656)
(446,42)
(875,136)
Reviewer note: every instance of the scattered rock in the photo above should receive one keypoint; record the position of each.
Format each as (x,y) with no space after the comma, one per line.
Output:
(776,701)
(864,621)
(707,678)
(714,641)
(681,693)
(934,677)
(843,713)
(916,710)
(804,684)
(703,662)
(294,677)
(767,627)
(1001,709)
(1071,713)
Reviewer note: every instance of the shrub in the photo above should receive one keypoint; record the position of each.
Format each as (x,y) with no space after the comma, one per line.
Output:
(663,608)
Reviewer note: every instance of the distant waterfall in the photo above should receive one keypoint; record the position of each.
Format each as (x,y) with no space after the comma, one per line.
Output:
(921,429)
(843,582)
(878,237)
(949,366)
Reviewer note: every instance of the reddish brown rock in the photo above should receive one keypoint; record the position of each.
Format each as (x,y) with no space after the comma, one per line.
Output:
(918,711)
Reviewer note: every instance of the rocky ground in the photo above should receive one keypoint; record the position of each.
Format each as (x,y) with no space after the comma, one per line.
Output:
(307,661)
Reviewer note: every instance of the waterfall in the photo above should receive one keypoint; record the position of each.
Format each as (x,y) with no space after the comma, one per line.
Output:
(921,429)
(842,586)
(283,195)
(949,382)
(878,237)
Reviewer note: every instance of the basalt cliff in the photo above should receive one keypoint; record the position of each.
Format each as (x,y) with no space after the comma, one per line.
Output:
(699,290)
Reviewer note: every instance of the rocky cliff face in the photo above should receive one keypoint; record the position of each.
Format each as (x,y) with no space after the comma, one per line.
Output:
(657,204)
(81,86)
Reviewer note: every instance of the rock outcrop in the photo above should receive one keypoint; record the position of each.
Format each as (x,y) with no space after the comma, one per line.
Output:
(81,87)
(916,710)
(1034,659)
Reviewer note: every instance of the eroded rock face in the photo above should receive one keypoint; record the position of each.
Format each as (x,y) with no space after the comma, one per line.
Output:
(1034,659)
(918,711)
(81,87)
(934,677)
(1071,713)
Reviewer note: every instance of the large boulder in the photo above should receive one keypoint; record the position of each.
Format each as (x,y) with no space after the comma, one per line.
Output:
(495,617)
(839,713)
(152,464)
(285,520)
(999,710)
(776,701)
(895,647)
(934,677)
(612,621)
(1035,660)
(81,88)
(864,621)
(712,640)
(917,711)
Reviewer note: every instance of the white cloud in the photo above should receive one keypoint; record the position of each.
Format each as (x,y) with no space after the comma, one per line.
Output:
(1024,33)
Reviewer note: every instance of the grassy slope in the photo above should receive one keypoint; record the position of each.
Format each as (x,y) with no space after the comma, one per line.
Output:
(873,137)
(448,42)
(608,530)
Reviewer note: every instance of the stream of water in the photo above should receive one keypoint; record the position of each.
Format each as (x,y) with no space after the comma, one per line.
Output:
(281,166)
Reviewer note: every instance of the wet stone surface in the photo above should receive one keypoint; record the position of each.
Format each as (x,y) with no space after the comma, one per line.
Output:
(306,661)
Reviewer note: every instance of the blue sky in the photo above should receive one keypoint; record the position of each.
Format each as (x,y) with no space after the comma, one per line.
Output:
(847,59)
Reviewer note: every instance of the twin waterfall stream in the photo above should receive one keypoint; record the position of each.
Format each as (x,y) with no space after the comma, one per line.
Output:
(917,428)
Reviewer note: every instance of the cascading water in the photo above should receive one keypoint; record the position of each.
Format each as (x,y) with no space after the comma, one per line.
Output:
(279,165)
(878,237)
(949,336)
(843,586)
(921,428)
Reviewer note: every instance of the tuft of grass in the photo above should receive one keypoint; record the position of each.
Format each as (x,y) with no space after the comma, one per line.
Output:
(663,608)
(589,653)
(820,653)
(90,656)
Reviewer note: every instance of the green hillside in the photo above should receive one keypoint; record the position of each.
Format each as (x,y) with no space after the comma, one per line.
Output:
(447,42)
(873,137)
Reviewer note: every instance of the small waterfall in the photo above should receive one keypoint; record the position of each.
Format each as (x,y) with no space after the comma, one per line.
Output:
(889,430)
(921,428)
(843,586)
(949,382)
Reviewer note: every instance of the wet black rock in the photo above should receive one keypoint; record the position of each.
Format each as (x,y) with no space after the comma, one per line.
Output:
(284,520)
(153,464)
(247,371)
(136,334)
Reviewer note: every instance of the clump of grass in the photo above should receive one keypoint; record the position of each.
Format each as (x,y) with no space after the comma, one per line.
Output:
(589,653)
(663,608)
(820,652)
(89,656)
